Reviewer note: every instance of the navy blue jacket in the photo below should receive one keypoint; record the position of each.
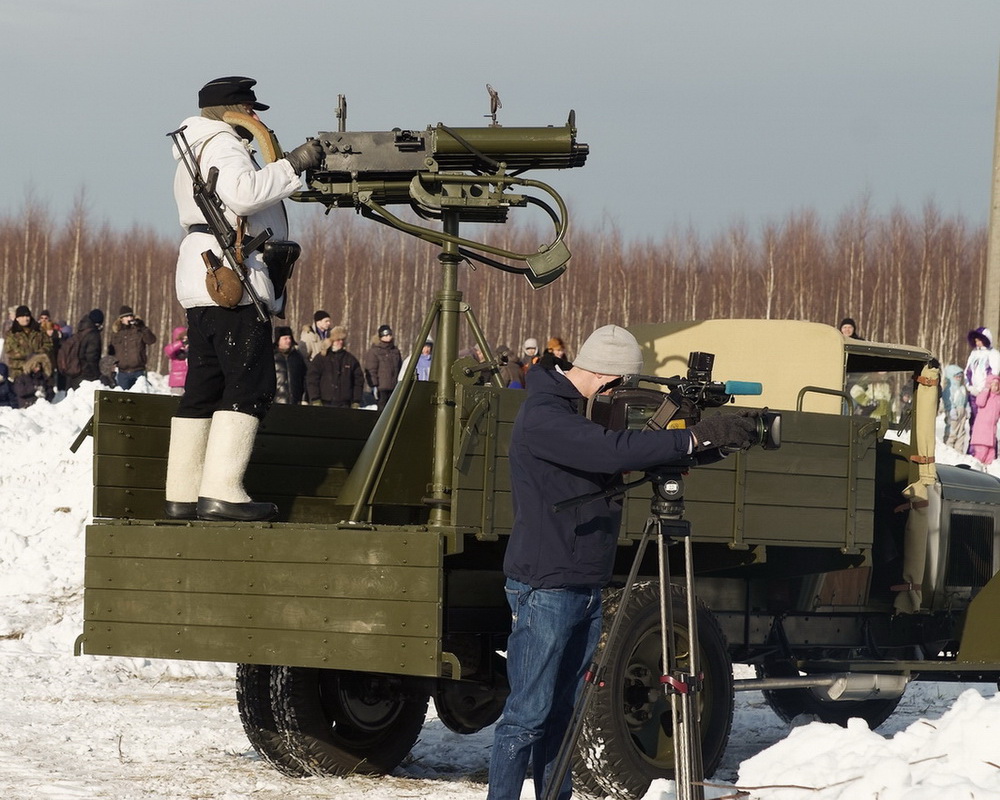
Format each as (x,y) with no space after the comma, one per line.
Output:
(557,454)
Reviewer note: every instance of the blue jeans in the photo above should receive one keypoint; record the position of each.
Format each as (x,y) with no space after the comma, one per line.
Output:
(126,380)
(552,639)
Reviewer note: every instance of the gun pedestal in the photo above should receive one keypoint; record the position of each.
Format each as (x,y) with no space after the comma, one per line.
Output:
(445,310)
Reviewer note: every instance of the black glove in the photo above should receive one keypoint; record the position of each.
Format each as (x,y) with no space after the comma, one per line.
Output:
(726,430)
(305,156)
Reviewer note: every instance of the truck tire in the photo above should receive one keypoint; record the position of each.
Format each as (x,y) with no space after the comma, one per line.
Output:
(627,738)
(253,699)
(336,722)
(585,783)
(790,703)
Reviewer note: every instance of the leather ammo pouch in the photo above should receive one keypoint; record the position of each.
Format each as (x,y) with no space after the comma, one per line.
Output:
(224,287)
(280,259)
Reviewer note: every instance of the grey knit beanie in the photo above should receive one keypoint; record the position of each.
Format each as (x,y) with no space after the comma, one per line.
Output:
(610,351)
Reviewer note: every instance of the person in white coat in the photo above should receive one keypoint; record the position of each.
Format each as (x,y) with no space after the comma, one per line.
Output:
(983,363)
(231,381)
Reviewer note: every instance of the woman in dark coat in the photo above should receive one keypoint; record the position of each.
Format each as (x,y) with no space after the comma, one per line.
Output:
(289,368)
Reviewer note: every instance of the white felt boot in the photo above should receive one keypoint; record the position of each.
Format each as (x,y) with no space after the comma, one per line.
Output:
(222,495)
(185,460)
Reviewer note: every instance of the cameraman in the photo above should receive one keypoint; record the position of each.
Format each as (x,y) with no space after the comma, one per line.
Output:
(129,339)
(557,563)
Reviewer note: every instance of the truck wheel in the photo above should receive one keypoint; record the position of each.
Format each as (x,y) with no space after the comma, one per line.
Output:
(790,703)
(342,723)
(627,738)
(585,783)
(253,699)
(466,706)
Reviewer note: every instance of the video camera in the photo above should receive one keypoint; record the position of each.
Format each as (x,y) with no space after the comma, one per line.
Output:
(631,407)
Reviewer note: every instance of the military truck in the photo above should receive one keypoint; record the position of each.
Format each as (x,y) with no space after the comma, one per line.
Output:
(841,566)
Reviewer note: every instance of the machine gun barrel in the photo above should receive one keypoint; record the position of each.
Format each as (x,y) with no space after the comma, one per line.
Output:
(397,155)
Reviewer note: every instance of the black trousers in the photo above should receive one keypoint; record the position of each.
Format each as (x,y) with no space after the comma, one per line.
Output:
(230,363)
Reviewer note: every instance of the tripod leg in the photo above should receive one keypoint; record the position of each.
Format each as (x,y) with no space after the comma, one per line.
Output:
(594,677)
(697,767)
(668,651)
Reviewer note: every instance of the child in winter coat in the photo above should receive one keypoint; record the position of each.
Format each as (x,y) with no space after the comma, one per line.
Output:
(955,401)
(35,383)
(984,428)
(176,352)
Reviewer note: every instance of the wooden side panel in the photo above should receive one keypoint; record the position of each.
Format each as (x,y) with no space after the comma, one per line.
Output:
(302,456)
(340,598)
(817,490)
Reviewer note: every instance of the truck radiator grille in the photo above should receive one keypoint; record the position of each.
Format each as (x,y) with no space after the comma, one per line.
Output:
(970,550)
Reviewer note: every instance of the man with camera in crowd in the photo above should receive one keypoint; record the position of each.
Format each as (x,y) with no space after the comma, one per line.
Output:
(557,563)
(129,339)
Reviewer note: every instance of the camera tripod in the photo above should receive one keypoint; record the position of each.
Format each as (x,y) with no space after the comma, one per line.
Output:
(666,524)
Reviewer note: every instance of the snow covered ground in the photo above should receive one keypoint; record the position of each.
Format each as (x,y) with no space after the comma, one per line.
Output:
(90,727)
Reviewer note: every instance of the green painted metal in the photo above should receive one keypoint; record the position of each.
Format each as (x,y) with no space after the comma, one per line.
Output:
(301,460)
(329,596)
(794,496)
(980,642)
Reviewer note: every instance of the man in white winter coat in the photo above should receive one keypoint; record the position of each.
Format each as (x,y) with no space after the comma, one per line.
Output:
(231,381)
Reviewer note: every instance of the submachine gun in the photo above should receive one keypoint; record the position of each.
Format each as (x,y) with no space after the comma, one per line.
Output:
(447,175)
(229,239)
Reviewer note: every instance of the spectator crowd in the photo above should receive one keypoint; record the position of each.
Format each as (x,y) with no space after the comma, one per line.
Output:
(40,356)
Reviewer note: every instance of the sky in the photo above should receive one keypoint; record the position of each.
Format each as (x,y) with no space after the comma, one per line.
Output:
(698,113)
(98,728)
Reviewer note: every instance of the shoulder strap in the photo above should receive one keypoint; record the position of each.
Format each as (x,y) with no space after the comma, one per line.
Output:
(240,221)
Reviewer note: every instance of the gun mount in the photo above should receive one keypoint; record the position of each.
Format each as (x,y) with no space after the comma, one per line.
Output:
(452,175)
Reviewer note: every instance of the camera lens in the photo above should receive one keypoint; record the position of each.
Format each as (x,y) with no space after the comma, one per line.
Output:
(768,433)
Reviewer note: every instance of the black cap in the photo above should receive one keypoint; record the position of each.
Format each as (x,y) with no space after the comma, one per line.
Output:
(384,330)
(229,91)
(320,315)
(125,311)
(283,330)
(22,311)
(96,316)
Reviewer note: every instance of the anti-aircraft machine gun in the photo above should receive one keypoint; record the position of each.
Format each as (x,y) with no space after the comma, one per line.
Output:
(447,175)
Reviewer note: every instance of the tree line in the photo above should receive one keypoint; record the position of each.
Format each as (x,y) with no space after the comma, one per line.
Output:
(913,278)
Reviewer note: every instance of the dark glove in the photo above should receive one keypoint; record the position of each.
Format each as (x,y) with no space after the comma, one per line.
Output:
(726,430)
(305,156)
